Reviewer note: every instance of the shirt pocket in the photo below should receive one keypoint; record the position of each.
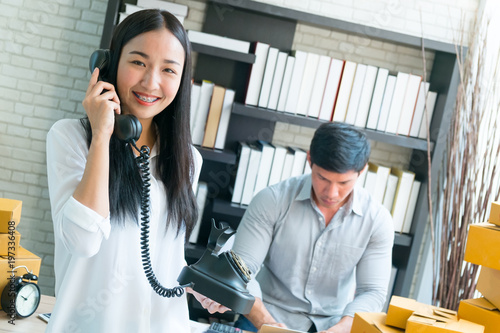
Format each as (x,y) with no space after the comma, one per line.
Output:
(345,258)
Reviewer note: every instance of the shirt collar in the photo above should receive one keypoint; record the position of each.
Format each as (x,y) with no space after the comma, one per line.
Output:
(353,204)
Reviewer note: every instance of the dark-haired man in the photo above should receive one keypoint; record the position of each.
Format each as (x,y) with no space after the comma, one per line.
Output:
(322,246)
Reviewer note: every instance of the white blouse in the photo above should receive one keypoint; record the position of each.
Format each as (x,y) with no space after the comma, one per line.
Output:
(100,281)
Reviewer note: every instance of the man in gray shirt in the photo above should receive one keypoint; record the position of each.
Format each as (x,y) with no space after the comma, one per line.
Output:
(322,246)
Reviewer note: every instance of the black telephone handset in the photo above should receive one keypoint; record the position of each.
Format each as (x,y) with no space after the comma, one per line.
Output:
(127,127)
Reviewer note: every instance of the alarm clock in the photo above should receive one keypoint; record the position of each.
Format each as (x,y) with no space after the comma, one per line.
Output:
(21,296)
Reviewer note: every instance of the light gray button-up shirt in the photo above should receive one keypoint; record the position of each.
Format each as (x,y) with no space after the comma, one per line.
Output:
(310,272)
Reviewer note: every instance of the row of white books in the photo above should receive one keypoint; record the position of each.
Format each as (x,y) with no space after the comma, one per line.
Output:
(318,86)
(201,198)
(179,11)
(396,189)
(211,106)
(261,164)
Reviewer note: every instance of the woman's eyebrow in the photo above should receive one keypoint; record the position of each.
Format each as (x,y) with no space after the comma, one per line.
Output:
(144,55)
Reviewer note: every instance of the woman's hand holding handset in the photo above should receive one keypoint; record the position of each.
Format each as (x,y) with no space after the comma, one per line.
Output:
(101,102)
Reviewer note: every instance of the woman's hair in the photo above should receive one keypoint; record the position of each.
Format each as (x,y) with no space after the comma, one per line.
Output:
(339,148)
(175,161)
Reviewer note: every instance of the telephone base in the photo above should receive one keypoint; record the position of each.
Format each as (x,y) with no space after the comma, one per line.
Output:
(237,300)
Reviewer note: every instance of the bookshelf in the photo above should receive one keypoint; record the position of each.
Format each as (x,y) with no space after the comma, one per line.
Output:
(251,21)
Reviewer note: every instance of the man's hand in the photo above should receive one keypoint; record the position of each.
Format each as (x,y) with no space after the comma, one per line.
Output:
(343,326)
(259,315)
(207,303)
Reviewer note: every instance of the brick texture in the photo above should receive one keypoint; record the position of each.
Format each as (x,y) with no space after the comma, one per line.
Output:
(44,49)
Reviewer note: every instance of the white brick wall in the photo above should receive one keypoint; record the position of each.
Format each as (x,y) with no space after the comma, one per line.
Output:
(44,49)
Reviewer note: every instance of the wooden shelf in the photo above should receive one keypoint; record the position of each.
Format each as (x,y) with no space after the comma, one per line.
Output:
(248,58)
(271,115)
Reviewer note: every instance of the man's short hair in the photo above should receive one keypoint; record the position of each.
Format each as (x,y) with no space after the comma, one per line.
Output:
(339,148)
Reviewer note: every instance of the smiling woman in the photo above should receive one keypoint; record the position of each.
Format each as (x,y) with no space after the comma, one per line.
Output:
(100,282)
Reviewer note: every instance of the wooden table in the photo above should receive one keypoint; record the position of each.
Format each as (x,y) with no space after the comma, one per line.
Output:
(30,324)
(33,324)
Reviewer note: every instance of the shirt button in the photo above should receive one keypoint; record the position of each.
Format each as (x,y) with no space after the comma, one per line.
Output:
(309,292)
(313,269)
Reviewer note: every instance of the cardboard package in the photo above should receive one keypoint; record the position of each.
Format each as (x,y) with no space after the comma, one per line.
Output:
(495,213)
(368,322)
(9,243)
(418,324)
(10,210)
(23,258)
(401,309)
(272,329)
(482,312)
(482,241)
(487,285)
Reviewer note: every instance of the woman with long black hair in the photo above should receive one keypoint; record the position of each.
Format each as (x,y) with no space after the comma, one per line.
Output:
(95,186)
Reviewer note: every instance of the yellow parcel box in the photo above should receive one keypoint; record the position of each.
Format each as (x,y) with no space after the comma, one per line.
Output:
(495,213)
(23,258)
(482,243)
(487,285)
(401,309)
(9,243)
(10,210)
(482,312)
(417,324)
(372,322)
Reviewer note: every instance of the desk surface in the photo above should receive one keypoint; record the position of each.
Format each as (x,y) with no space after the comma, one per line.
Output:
(33,324)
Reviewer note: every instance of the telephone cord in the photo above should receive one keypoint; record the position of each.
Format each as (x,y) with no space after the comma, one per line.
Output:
(143,163)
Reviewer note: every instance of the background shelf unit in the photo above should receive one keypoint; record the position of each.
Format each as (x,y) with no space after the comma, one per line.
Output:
(255,21)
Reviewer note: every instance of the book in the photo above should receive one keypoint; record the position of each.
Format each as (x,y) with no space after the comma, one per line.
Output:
(378,97)
(370,181)
(382,175)
(221,42)
(344,91)
(427,117)
(354,99)
(299,162)
(410,209)
(251,176)
(225,116)
(390,288)
(288,164)
(285,86)
(201,198)
(195,99)
(318,87)
(256,72)
(409,102)
(390,192)
(207,88)
(419,109)
(397,102)
(295,81)
(243,158)
(174,8)
(308,78)
(277,165)
(386,103)
(307,168)
(213,117)
(277,81)
(401,197)
(331,89)
(264,169)
(362,178)
(366,96)
(267,80)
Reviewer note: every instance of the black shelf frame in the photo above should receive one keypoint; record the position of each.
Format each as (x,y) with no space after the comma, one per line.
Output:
(248,58)
(272,115)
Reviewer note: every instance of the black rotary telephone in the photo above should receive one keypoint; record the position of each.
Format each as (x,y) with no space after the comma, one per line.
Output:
(220,275)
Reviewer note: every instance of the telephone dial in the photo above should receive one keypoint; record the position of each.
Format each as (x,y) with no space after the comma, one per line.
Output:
(219,274)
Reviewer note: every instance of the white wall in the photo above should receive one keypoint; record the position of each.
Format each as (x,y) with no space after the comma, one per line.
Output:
(44,49)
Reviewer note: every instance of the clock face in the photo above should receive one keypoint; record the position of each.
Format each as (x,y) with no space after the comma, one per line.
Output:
(27,299)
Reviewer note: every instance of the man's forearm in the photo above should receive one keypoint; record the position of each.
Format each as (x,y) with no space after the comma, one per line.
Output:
(260,316)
